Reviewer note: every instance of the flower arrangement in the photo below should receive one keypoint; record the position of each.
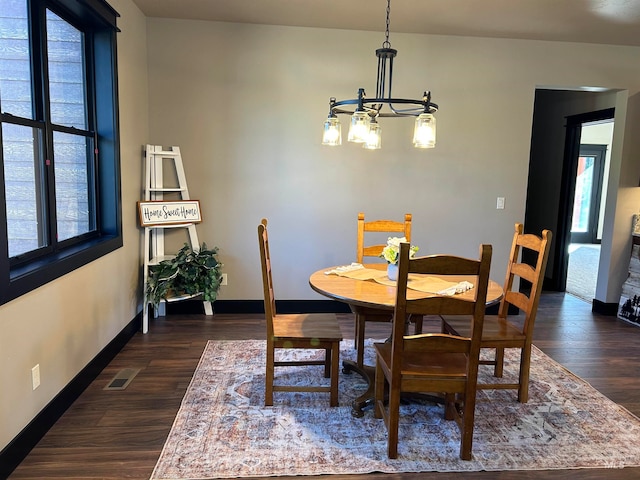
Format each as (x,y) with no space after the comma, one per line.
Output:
(391,251)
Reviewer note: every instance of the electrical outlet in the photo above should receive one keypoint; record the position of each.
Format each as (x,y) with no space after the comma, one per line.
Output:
(500,203)
(35,376)
(224,279)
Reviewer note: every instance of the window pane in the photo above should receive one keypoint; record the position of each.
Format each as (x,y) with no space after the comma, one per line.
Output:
(58,103)
(15,64)
(21,147)
(66,73)
(72,177)
(582,198)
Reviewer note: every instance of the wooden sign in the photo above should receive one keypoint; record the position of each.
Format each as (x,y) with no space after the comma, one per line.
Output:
(156,213)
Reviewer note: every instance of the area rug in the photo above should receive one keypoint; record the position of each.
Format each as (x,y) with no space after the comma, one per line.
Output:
(223,429)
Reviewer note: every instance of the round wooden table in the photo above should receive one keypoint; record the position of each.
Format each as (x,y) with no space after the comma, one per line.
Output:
(364,295)
(370,294)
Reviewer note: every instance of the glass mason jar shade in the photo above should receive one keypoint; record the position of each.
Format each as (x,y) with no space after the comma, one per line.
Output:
(359,128)
(332,132)
(424,133)
(374,137)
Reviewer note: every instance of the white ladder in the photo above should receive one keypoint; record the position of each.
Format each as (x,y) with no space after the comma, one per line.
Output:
(155,189)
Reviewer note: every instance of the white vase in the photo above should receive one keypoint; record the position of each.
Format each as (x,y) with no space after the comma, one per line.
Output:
(392,271)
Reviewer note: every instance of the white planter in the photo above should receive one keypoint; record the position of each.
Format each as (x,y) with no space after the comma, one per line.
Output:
(392,271)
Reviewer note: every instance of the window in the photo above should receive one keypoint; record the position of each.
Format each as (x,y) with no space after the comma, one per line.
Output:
(59,175)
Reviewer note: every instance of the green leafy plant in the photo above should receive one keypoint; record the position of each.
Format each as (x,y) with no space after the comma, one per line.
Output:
(190,272)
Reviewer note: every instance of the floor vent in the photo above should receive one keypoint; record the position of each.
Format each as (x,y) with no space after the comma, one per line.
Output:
(122,379)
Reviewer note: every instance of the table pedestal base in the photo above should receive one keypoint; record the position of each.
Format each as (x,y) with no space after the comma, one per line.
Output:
(367,372)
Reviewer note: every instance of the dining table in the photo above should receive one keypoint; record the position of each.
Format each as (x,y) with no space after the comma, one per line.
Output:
(366,288)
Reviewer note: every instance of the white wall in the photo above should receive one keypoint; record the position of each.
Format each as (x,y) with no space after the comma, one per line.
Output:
(246,104)
(63,325)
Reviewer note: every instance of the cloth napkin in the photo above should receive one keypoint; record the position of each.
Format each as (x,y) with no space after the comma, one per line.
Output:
(357,271)
(345,269)
(457,288)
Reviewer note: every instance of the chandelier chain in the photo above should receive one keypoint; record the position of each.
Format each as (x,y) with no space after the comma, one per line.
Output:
(386,43)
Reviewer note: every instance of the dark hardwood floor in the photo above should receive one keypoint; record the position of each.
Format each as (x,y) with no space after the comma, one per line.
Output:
(119,434)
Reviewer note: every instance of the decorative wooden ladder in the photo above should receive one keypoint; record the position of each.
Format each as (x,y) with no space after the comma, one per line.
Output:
(155,188)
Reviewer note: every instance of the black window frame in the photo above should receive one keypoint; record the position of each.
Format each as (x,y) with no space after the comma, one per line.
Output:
(97,19)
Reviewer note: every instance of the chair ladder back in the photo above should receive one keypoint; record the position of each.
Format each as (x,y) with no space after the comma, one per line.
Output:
(527,302)
(440,305)
(522,288)
(314,331)
(518,299)
(434,362)
(544,246)
(482,286)
(449,265)
(400,312)
(436,342)
(524,270)
(509,275)
(383,226)
(267,279)
(444,265)
(477,319)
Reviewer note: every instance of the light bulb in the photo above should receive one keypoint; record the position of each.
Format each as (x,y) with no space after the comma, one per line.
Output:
(424,132)
(374,137)
(332,134)
(359,128)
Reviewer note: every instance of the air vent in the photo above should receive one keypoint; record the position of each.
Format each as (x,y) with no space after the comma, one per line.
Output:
(122,379)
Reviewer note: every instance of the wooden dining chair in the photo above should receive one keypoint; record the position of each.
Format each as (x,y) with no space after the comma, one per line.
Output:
(380,230)
(499,331)
(319,331)
(399,229)
(433,362)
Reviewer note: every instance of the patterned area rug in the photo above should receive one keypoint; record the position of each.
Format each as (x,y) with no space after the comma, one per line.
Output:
(223,430)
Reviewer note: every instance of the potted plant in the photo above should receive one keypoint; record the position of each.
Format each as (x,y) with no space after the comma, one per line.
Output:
(191,272)
(390,253)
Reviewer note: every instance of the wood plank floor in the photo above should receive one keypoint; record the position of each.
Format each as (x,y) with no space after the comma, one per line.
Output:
(119,434)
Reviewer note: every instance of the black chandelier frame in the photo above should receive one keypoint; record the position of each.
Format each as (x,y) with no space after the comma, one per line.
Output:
(374,106)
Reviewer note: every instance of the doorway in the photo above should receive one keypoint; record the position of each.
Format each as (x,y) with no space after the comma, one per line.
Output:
(586,234)
(587,146)
(560,126)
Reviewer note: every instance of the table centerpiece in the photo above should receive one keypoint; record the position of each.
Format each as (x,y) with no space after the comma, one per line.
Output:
(390,253)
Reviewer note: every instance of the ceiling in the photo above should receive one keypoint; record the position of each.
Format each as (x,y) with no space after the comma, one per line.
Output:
(615,22)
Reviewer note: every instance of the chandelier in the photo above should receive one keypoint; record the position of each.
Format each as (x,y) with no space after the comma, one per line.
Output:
(365,112)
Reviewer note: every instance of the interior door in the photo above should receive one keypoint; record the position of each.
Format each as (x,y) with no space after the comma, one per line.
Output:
(588,190)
